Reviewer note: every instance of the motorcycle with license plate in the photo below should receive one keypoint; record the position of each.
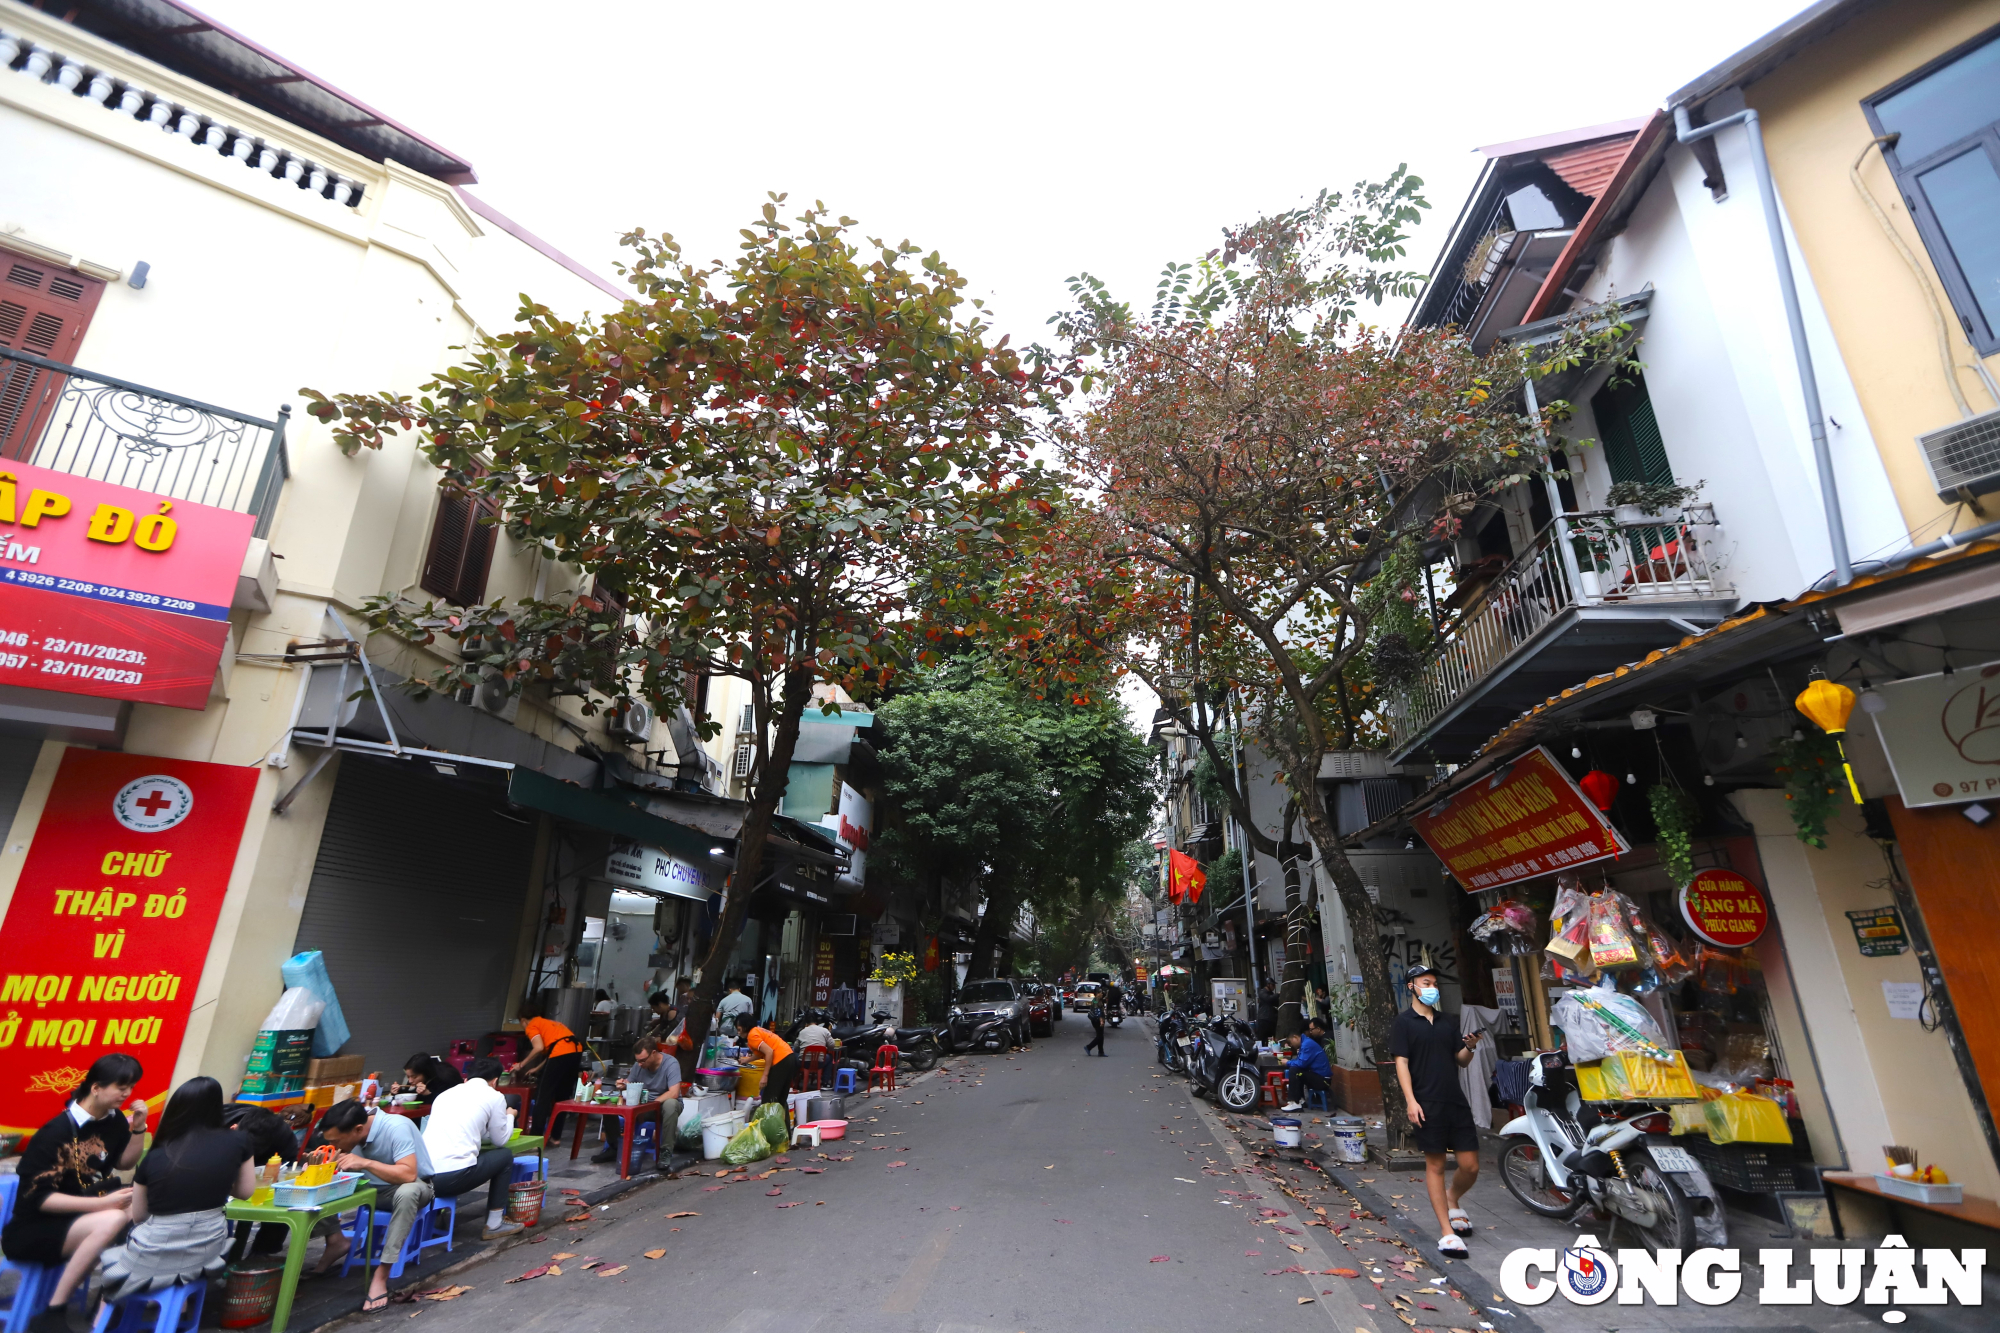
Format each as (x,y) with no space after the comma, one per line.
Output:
(1223,1060)
(1563,1152)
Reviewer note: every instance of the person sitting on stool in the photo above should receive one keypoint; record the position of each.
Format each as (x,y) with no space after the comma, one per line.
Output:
(1309,1068)
(466,1136)
(660,1075)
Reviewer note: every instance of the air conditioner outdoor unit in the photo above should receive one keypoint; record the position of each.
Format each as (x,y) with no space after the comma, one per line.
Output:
(1964,457)
(744,756)
(474,646)
(491,695)
(631,720)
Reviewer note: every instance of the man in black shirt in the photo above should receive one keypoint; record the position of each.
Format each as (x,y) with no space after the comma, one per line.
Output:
(1429,1053)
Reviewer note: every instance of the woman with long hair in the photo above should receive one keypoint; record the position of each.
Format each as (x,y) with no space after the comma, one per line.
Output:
(178,1194)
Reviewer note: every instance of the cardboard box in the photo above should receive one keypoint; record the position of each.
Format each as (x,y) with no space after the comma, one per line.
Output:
(326,1094)
(335,1069)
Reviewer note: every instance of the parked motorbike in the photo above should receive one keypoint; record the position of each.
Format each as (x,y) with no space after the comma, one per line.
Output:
(1224,1062)
(916,1047)
(975,1034)
(1175,1033)
(1563,1152)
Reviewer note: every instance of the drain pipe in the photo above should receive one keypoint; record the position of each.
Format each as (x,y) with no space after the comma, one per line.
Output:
(1687,133)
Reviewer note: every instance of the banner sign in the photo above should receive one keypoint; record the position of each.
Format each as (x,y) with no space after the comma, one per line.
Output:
(1879,932)
(110,922)
(649,869)
(112,591)
(822,976)
(1942,735)
(1724,908)
(1529,820)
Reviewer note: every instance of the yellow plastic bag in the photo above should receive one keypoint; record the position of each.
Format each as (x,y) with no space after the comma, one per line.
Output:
(1744,1117)
(1629,1076)
(1688,1118)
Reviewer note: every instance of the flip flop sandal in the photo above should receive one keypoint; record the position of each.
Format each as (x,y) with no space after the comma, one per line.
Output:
(1460,1223)
(369,1304)
(1451,1245)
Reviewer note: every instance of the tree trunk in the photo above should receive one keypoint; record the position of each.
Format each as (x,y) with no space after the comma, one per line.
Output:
(750,844)
(1292,989)
(986,940)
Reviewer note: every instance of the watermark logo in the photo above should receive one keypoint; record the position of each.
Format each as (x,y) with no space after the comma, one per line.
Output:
(1889,1276)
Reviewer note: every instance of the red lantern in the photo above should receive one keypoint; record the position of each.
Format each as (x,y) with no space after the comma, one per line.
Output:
(1600,787)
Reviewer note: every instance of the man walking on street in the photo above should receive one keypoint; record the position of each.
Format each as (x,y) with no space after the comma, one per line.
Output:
(1429,1053)
(1096,1023)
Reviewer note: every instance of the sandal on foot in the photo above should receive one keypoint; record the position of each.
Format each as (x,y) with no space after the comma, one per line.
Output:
(373,1304)
(1451,1245)
(1460,1223)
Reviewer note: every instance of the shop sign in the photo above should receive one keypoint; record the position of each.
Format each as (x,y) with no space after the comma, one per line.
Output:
(1725,909)
(1879,932)
(822,978)
(850,830)
(634,865)
(1942,735)
(1506,999)
(1529,820)
(110,922)
(111,591)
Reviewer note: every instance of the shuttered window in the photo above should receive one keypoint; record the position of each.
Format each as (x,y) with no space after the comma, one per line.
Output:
(43,310)
(461,550)
(1633,449)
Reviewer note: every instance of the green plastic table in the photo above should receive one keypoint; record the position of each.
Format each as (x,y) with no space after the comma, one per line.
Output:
(530,1143)
(301,1221)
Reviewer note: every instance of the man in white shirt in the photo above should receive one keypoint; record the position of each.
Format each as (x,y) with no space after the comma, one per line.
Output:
(467,1126)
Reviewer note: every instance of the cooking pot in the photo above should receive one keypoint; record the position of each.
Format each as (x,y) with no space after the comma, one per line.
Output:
(826,1108)
(715,1080)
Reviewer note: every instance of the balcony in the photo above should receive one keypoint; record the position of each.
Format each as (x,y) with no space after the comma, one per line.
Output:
(58,416)
(1588,595)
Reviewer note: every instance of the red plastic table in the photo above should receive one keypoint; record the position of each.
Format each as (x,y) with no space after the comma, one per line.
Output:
(631,1115)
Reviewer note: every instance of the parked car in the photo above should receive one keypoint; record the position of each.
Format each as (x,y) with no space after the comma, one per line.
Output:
(1084,995)
(996,999)
(1041,1012)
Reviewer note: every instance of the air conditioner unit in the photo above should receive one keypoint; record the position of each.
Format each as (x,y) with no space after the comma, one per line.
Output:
(744,756)
(492,695)
(475,646)
(1964,457)
(748,721)
(631,720)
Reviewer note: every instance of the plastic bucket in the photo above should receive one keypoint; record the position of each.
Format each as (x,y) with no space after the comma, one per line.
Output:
(1350,1140)
(524,1202)
(1285,1130)
(250,1292)
(716,1133)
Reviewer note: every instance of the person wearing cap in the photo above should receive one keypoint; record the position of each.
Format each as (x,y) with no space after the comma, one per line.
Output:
(1429,1052)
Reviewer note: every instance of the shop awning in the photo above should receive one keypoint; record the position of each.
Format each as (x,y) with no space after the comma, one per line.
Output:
(566,800)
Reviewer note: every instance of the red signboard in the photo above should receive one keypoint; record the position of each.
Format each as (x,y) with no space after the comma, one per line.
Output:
(822,974)
(110,922)
(113,591)
(1724,908)
(1529,820)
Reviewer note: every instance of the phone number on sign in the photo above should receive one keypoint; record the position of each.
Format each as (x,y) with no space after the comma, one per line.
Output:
(103,590)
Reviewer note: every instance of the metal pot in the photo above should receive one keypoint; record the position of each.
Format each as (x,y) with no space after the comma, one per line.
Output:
(826,1108)
(716,1082)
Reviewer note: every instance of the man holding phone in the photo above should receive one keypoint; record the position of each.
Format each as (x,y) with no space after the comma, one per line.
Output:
(1429,1053)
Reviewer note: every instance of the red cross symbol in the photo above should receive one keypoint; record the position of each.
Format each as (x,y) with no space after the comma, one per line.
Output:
(153,804)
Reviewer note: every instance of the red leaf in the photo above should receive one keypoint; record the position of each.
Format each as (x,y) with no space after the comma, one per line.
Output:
(1158,1259)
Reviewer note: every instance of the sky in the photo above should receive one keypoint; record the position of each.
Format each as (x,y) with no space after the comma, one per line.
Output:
(1025,142)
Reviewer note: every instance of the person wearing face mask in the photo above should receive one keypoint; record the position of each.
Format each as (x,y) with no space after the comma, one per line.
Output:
(1429,1052)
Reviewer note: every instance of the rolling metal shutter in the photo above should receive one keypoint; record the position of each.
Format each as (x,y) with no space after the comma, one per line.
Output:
(416,901)
(17,763)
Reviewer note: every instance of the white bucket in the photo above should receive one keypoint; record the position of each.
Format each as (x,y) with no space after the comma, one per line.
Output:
(716,1133)
(1350,1141)
(1285,1131)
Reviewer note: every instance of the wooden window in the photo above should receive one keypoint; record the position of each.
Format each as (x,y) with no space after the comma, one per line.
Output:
(1633,448)
(43,310)
(461,548)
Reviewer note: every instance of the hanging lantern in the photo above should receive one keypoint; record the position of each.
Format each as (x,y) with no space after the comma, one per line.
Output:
(1828,703)
(1600,787)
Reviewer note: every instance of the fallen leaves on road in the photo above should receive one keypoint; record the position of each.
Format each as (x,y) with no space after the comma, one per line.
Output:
(566,1254)
(1307,1300)
(1297,1249)
(813,1170)
(710,1189)
(720,1174)
(671,1216)
(1158,1259)
(1253,1254)
(893,1165)
(583,1216)
(1342,1272)
(772,1193)
(612,1272)
(1185,1181)
(656,1254)
(795,1203)
(590,1261)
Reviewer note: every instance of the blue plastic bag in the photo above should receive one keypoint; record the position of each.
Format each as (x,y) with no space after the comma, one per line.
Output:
(309,970)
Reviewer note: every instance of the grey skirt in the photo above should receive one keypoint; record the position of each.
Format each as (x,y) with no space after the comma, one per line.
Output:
(164,1252)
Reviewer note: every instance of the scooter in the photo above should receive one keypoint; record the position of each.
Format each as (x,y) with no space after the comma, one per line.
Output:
(1563,1152)
(991,1034)
(916,1047)
(1225,1063)
(1174,1037)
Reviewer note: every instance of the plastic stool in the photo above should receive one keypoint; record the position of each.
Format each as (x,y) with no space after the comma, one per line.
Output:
(1274,1087)
(412,1243)
(437,1224)
(846,1082)
(527,1168)
(176,1310)
(31,1295)
(1316,1100)
(810,1133)
(646,1139)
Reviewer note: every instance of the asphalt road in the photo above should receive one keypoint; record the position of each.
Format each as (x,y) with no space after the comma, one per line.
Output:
(1046,1191)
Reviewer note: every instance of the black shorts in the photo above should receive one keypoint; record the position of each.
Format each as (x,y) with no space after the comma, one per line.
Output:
(1448,1127)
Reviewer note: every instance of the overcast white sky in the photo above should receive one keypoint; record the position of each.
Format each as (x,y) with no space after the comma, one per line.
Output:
(1024,141)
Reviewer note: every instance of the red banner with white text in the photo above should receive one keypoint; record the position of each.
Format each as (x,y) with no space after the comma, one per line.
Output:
(110,922)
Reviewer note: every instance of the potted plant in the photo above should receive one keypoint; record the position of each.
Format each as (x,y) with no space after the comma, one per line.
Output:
(1644,504)
(1591,543)
(885,984)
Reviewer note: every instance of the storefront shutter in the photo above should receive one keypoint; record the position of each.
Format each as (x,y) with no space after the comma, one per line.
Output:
(17,762)
(43,310)
(416,901)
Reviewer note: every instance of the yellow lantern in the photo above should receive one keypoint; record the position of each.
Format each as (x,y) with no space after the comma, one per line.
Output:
(1828,703)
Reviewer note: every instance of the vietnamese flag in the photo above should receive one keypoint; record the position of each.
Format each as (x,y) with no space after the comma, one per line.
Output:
(1185,877)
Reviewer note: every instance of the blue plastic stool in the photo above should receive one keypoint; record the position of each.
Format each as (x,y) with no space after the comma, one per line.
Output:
(413,1244)
(439,1221)
(645,1139)
(176,1310)
(31,1294)
(527,1168)
(1316,1100)
(846,1082)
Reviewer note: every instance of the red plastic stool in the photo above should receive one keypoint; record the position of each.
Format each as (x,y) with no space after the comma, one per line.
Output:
(883,1072)
(1274,1086)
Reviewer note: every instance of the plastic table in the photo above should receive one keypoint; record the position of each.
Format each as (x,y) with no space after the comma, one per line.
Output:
(631,1115)
(529,1143)
(301,1222)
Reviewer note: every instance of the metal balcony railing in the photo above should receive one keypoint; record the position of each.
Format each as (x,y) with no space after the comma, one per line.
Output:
(1579,560)
(58,416)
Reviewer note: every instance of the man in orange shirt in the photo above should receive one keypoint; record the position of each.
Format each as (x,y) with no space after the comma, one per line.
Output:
(781,1067)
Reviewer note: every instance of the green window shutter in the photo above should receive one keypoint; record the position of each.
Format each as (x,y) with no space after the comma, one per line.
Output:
(1630,434)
